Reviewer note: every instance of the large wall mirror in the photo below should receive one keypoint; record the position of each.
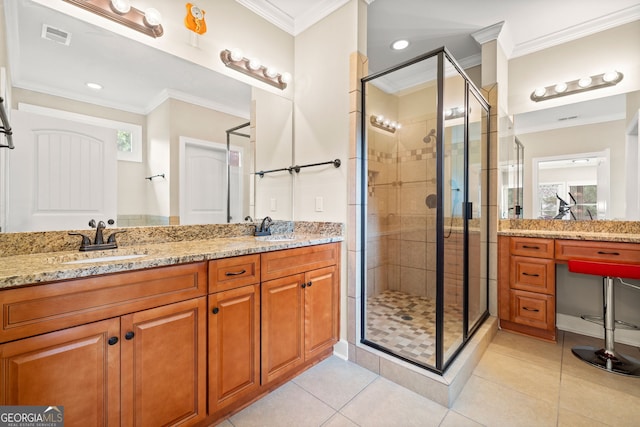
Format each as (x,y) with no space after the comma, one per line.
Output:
(574,162)
(197,131)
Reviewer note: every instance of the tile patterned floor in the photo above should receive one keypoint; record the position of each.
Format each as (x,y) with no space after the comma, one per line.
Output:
(519,381)
(405,324)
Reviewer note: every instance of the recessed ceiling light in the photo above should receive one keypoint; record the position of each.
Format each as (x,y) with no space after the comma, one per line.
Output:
(400,44)
(94,86)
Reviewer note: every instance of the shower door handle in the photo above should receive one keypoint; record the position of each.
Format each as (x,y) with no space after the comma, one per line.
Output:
(469,210)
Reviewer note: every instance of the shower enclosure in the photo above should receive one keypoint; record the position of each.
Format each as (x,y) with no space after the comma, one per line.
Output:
(239,173)
(425,238)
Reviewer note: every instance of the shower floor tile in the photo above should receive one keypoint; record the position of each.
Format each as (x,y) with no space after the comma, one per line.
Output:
(405,324)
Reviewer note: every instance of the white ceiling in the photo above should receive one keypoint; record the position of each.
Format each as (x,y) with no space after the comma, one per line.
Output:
(529,25)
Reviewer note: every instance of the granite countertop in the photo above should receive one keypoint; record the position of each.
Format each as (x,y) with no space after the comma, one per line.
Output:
(574,235)
(26,269)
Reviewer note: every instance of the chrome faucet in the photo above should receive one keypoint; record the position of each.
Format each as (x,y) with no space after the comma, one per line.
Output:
(98,241)
(265,226)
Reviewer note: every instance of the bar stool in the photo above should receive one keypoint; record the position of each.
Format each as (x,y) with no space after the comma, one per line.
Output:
(607,358)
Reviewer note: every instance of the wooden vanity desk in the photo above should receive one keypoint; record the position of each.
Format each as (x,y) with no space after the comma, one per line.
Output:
(527,279)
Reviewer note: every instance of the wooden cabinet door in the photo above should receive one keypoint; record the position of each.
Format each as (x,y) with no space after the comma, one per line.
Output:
(282,326)
(321,312)
(164,365)
(76,368)
(234,345)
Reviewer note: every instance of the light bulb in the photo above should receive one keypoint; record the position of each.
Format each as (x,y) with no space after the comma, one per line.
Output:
(393,125)
(560,87)
(380,119)
(540,91)
(236,55)
(386,122)
(398,125)
(610,76)
(254,64)
(152,17)
(120,6)
(286,78)
(271,72)
(584,82)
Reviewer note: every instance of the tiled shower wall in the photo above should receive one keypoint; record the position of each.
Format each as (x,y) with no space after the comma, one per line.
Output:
(401,228)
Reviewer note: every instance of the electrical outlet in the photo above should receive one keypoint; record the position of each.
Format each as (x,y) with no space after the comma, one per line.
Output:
(319,204)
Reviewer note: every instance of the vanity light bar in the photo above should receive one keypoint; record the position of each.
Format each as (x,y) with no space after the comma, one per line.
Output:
(383,123)
(147,22)
(610,78)
(253,68)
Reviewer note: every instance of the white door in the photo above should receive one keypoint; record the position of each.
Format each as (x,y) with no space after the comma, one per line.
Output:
(203,182)
(61,174)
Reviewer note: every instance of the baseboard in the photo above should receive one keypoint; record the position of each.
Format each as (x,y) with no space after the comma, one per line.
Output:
(341,349)
(580,326)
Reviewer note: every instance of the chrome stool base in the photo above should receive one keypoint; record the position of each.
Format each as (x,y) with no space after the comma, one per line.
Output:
(610,361)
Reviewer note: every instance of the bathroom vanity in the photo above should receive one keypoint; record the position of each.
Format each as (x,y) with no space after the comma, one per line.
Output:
(527,260)
(180,337)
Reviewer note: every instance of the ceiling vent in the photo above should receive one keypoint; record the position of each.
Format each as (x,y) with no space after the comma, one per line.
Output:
(56,34)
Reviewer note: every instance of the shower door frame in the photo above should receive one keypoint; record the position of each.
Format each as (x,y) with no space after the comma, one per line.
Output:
(441,365)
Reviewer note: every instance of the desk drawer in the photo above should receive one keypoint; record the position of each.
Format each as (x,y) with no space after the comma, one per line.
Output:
(531,309)
(533,274)
(597,251)
(231,273)
(533,247)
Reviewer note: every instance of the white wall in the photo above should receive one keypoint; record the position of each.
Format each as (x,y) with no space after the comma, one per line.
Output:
(322,114)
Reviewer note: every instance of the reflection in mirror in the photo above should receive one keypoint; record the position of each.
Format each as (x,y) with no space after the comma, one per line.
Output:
(596,130)
(574,187)
(166,98)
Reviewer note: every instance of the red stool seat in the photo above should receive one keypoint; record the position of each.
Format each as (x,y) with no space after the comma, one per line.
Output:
(605,269)
(607,358)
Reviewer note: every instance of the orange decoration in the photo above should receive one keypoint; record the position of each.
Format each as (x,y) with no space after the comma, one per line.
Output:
(194,20)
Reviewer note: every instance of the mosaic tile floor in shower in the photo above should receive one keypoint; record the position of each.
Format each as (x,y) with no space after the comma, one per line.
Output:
(405,325)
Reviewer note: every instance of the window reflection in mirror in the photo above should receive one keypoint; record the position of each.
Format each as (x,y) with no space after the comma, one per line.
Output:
(572,188)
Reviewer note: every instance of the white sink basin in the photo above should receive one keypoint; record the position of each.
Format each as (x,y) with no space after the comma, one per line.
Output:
(104,259)
(277,238)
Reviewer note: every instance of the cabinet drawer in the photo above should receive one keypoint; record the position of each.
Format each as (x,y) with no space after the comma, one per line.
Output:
(531,309)
(529,246)
(293,261)
(597,251)
(533,274)
(44,308)
(231,273)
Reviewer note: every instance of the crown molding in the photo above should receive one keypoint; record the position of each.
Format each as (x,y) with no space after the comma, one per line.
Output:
(166,94)
(593,26)
(286,22)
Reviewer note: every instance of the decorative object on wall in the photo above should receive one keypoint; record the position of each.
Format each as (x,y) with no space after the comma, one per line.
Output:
(5,128)
(160,175)
(610,78)
(234,59)
(148,22)
(381,122)
(194,20)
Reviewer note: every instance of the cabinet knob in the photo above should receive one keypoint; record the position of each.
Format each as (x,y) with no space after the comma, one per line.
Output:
(129,335)
(309,284)
(304,285)
(215,310)
(113,341)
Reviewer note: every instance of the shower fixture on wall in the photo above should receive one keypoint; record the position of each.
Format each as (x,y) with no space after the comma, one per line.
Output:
(431,137)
